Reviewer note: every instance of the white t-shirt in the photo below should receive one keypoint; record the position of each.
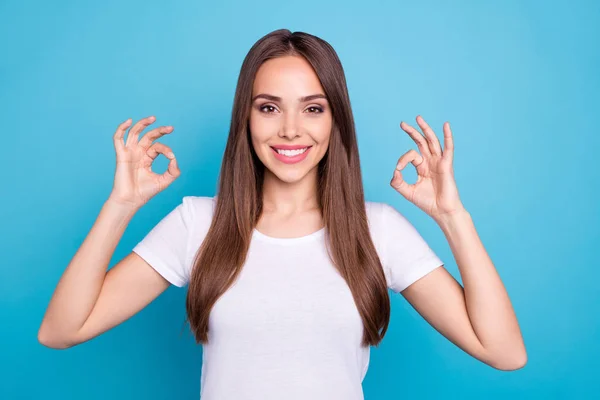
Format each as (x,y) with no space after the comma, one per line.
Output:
(288,328)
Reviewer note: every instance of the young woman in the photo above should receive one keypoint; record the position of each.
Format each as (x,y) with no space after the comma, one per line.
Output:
(287,267)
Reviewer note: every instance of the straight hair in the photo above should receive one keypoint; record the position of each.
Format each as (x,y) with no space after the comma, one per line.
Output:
(238,207)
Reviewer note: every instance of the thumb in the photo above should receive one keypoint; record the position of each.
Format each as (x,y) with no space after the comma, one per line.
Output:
(399,184)
(171,173)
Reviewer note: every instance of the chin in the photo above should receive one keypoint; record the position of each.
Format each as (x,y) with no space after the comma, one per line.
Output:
(289,176)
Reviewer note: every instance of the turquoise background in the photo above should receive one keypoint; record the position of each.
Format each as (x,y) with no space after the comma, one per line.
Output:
(519,82)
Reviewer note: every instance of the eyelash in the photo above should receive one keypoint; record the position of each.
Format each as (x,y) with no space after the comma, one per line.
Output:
(271,112)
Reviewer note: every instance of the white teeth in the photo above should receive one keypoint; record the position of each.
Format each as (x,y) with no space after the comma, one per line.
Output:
(291,153)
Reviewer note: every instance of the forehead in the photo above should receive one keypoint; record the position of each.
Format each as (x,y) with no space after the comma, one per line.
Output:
(291,75)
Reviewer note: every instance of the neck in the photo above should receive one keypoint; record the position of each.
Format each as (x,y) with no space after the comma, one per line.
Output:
(290,197)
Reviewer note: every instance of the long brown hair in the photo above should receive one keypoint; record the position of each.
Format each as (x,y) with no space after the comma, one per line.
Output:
(238,207)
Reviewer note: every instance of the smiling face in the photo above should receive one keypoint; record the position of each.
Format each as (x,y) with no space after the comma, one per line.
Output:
(289,112)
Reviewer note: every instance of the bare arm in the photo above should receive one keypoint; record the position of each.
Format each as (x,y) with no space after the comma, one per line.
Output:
(88,300)
(478,318)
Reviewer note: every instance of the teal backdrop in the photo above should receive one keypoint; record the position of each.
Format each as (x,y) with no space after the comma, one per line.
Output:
(519,82)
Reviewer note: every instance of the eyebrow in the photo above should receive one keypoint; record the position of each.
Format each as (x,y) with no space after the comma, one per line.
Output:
(301,99)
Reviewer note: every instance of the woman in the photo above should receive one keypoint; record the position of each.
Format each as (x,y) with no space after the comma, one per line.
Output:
(288,266)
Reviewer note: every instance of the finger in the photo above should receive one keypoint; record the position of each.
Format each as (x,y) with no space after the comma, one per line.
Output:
(159,148)
(448,142)
(154,134)
(134,132)
(413,157)
(417,137)
(398,182)
(171,173)
(434,143)
(119,133)
(401,185)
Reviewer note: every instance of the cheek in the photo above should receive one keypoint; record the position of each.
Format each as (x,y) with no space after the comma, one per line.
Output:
(262,128)
(321,131)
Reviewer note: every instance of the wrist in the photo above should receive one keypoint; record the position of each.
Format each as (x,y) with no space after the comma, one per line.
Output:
(120,207)
(448,219)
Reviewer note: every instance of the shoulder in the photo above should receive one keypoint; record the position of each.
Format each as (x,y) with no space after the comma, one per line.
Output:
(383,215)
(404,253)
(374,211)
(198,207)
(379,213)
(199,212)
(387,224)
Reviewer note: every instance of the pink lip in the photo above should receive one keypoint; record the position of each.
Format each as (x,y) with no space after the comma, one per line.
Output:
(291,160)
(289,147)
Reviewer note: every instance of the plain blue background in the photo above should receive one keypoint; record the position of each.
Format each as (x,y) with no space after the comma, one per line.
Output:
(518,81)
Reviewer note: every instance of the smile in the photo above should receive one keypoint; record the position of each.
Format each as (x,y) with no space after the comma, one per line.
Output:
(291,156)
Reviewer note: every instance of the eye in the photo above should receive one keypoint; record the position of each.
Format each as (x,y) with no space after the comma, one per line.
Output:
(319,110)
(267,106)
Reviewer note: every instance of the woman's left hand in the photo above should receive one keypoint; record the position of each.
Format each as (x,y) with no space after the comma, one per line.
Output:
(435,191)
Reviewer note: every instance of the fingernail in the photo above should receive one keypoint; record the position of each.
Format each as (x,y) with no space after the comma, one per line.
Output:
(171,155)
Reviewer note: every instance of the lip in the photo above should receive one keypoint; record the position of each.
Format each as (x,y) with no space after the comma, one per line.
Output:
(290,160)
(289,147)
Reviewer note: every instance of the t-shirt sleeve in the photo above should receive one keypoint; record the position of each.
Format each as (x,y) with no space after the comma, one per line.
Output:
(166,246)
(406,255)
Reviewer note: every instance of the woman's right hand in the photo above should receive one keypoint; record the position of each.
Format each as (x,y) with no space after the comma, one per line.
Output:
(135,183)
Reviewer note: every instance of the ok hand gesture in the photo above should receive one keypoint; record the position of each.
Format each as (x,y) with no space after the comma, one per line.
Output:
(135,183)
(435,191)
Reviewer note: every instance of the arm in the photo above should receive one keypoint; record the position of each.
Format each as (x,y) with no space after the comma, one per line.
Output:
(479,318)
(88,300)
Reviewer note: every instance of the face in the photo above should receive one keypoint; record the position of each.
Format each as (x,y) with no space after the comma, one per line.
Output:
(289,113)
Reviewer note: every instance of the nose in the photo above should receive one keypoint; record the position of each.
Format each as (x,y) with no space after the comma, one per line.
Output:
(289,128)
